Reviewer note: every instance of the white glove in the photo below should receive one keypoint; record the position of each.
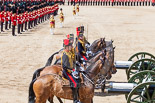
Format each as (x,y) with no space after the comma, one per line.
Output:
(82,69)
(87,45)
(82,59)
(75,74)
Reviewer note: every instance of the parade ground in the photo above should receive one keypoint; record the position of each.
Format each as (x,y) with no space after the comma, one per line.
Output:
(131,28)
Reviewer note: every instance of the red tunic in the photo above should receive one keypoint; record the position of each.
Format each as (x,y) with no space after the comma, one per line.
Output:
(10,15)
(2,16)
(27,17)
(19,19)
(6,17)
(13,20)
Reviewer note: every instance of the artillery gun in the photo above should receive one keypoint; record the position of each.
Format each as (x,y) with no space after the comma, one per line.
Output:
(140,70)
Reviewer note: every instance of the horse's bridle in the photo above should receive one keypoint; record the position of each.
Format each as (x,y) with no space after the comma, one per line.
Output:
(92,80)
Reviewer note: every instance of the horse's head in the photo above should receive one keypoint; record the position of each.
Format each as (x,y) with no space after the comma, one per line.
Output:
(95,68)
(98,45)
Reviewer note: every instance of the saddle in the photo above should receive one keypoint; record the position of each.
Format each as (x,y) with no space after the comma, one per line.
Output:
(66,83)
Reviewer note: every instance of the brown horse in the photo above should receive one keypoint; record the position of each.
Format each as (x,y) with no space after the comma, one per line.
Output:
(109,62)
(49,69)
(48,85)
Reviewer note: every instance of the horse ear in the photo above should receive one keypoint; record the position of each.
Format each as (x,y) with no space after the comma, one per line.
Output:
(114,47)
(100,39)
(112,41)
(104,38)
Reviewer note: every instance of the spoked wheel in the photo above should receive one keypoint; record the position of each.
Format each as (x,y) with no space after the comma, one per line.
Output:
(142,93)
(140,55)
(140,65)
(141,77)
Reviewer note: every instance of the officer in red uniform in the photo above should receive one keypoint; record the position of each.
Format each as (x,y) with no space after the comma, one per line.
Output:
(13,20)
(10,15)
(6,18)
(29,23)
(2,17)
(69,72)
(153,2)
(31,18)
(26,19)
(22,20)
(19,21)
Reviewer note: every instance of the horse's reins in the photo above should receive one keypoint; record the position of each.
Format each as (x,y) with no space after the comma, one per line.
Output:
(88,78)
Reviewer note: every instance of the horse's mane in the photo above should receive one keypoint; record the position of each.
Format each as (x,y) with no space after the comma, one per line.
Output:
(95,42)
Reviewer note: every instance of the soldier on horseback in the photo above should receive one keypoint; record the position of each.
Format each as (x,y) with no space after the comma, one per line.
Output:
(81,48)
(68,69)
(83,45)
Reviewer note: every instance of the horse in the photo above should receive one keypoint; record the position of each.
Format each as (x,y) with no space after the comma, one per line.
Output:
(109,62)
(48,85)
(37,73)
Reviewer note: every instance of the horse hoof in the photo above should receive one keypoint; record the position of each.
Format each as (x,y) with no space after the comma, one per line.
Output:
(108,77)
(114,72)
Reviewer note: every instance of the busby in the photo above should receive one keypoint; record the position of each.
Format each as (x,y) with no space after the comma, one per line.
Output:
(70,36)
(66,42)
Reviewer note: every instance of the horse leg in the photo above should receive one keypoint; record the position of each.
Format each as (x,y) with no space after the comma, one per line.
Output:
(91,100)
(50,99)
(39,100)
(87,100)
(108,75)
(42,91)
(59,100)
(114,69)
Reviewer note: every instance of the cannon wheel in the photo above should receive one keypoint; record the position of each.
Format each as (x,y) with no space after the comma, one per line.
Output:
(140,65)
(141,94)
(140,55)
(139,77)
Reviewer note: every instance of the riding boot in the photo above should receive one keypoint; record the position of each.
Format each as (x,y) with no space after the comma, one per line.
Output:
(75,95)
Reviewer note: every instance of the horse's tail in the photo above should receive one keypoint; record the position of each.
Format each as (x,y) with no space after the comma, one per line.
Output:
(31,92)
(37,73)
(49,61)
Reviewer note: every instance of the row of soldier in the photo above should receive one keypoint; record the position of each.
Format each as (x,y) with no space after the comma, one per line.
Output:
(25,15)
(112,2)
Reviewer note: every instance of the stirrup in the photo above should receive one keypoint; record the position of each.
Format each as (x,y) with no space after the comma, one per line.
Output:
(77,101)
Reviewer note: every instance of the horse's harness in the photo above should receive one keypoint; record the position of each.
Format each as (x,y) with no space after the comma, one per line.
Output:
(96,76)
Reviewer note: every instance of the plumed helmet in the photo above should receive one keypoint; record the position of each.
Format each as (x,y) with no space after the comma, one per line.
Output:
(66,42)
(70,36)
(79,34)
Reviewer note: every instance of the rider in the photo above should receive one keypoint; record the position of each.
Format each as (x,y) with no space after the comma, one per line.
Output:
(81,29)
(68,69)
(81,48)
(87,44)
